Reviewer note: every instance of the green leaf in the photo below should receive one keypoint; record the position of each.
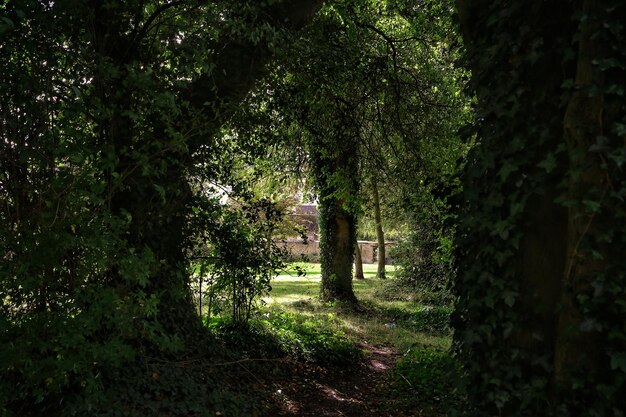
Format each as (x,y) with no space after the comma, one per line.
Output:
(549,163)
(618,361)
(161,192)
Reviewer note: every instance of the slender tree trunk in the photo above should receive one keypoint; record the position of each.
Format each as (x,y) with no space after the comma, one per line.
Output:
(380,234)
(358,261)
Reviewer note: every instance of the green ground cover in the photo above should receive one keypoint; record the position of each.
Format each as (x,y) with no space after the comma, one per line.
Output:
(382,319)
(425,375)
(292,322)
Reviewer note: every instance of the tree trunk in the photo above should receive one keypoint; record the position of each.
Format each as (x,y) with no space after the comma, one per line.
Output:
(337,230)
(380,234)
(358,261)
(526,272)
(335,168)
(564,320)
(580,351)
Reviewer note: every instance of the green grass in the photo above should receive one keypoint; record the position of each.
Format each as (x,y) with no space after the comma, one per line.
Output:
(403,324)
(295,323)
(424,378)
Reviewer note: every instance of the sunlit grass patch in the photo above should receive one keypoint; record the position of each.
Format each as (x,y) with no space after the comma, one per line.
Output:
(401,323)
(419,332)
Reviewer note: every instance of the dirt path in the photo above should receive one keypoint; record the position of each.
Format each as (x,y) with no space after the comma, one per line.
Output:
(338,392)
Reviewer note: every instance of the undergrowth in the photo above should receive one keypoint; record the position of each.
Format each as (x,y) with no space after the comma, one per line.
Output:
(295,326)
(273,332)
(428,381)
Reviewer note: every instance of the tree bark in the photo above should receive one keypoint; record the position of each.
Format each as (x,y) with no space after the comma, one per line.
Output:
(579,351)
(358,261)
(337,230)
(380,234)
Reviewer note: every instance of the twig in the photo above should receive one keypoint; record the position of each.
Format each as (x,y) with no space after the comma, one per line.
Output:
(407,381)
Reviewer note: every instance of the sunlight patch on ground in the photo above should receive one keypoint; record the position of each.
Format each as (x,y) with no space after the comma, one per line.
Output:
(375,325)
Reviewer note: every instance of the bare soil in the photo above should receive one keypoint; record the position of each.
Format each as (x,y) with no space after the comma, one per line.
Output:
(309,390)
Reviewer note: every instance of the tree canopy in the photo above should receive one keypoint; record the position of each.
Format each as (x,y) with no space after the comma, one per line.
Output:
(139,144)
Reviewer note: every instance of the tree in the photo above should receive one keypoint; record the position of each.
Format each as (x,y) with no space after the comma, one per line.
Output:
(336,185)
(361,84)
(358,261)
(541,226)
(380,234)
(107,108)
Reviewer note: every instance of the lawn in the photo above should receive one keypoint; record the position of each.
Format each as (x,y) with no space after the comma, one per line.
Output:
(380,320)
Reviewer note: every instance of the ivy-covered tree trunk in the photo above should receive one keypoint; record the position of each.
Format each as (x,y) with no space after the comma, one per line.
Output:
(380,234)
(337,230)
(148,183)
(539,317)
(590,119)
(335,171)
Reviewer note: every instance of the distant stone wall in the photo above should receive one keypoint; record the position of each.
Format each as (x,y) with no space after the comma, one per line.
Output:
(369,251)
(297,249)
(311,250)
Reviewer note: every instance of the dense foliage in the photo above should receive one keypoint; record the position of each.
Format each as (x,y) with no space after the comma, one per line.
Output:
(107,110)
(539,319)
(368,98)
(136,147)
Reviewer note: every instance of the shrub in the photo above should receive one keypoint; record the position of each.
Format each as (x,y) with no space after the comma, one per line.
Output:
(425,260)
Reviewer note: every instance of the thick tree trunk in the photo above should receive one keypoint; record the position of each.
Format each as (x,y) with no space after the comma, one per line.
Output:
(158,216)
(358,261)
(157,222)
(380,234)
(533,266)
(563,325)
(335,169)
(579,351)
(337,231)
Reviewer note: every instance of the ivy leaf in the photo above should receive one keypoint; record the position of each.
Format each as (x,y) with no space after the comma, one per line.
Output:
(592,205)
(509,297)
(601,145)
(161,192)
(6,25)
(506,170)
(548,164)
(618,361)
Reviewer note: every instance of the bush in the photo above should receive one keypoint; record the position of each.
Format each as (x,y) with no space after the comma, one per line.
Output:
(431,319)
(399,289)
(425,268)
(242,259)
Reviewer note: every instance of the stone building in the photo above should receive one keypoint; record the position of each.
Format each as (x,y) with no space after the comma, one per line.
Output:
(306,216)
